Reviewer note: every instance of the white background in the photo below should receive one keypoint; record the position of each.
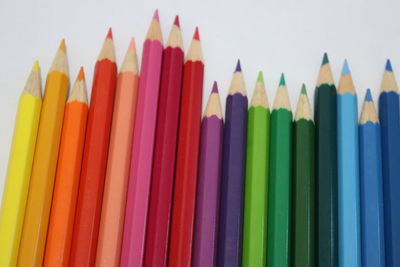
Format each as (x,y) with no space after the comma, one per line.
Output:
(272,36)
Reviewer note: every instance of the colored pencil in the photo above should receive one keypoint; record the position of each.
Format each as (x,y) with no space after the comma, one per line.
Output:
(371,188)
(156,252)
(390,127)
(280,180)
(326,170)
(133,244)
(58,244)
(37,211)
(209,184)
(19,168)
(256,183)
(180,251)
(233,173)
(90,194)
(303,226)
(348,172)
(118,163)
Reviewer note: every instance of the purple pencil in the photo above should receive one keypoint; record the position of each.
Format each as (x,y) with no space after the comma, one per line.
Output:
(233,172)
(207,202)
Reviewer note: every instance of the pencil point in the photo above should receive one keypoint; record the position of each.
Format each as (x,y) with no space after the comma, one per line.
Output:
(325,60)
(215,88)
(36,66)
(238,67)
(196,35)
(155,16)
(345,69)
(176,21)
(132,45)
(303,89)
(109,34)
(81,75)
(282,82)
(62,45)
(260,77)
(368,96)
(388,66)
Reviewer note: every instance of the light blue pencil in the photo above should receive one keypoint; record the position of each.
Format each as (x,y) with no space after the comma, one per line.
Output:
(348,173)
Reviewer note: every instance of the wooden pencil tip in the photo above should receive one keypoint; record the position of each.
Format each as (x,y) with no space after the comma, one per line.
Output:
(260,77)
(215,88)
(303,89)
(368,96)
(109,34)
(156,16)
(345,69)
(325,60)
(62,45)
(81,75)
(196,35)
(238,67)
(36,66)
(388,66)
(176,21)
(132,45)
(282,81)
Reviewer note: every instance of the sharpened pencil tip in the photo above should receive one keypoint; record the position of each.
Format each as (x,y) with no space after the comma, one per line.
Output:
(156,16)
(109,34)
(325,60)
(260,77)
(238,67)
(345,69)
(388,66)
(62,45)
(36,66)
(303,89)
(196,35)
(176,21)
(132,45)
(214,88)
(368,96)
(282,81)
(81,75)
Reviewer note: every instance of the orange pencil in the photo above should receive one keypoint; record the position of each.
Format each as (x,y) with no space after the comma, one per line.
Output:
(62,215)
(37,210)
(119,162)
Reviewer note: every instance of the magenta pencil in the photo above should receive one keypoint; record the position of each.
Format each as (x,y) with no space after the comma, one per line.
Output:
(207,202)
(142,149)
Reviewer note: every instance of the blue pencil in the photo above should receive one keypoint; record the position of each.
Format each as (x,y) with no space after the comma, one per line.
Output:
(390,123)
(348,173)
(372,228)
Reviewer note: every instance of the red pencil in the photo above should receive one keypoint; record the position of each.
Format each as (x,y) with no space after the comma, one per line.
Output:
(165,151)
(88,208)
(180,254)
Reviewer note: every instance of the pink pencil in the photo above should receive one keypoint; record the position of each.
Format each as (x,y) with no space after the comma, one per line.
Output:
(142,148)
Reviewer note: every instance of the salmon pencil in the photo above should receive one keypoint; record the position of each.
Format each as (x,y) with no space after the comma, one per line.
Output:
(142,148)
(38,205)
(90,194)
(58,244)
(19,168)
(156,251)
(119,162)
(180,251)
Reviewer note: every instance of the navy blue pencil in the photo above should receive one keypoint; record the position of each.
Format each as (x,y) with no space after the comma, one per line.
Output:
(371,195)
(233,172)
(390,122)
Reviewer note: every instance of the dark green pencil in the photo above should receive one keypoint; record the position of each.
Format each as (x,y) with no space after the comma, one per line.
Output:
(303,230)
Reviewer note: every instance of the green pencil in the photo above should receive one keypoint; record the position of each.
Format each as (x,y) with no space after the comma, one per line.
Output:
(256,184)
(279,198)
(303,243)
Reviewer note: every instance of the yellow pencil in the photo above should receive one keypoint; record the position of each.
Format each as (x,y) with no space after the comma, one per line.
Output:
(38,205)
(19,168)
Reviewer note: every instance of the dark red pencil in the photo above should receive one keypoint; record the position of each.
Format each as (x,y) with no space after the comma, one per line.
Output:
(180,251)
(165,151)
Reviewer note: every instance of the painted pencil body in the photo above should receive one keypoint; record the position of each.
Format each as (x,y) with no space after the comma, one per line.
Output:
(390,127)
(256,183)
(303,235)
(133,243)
(156,252)
(326,171)
(180,251)
(280,182)
(348,173)
(94,162)
(118,163)
(59,235)
(371,188)
(208,192)
(233,174)
(38,204)
(19,168)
